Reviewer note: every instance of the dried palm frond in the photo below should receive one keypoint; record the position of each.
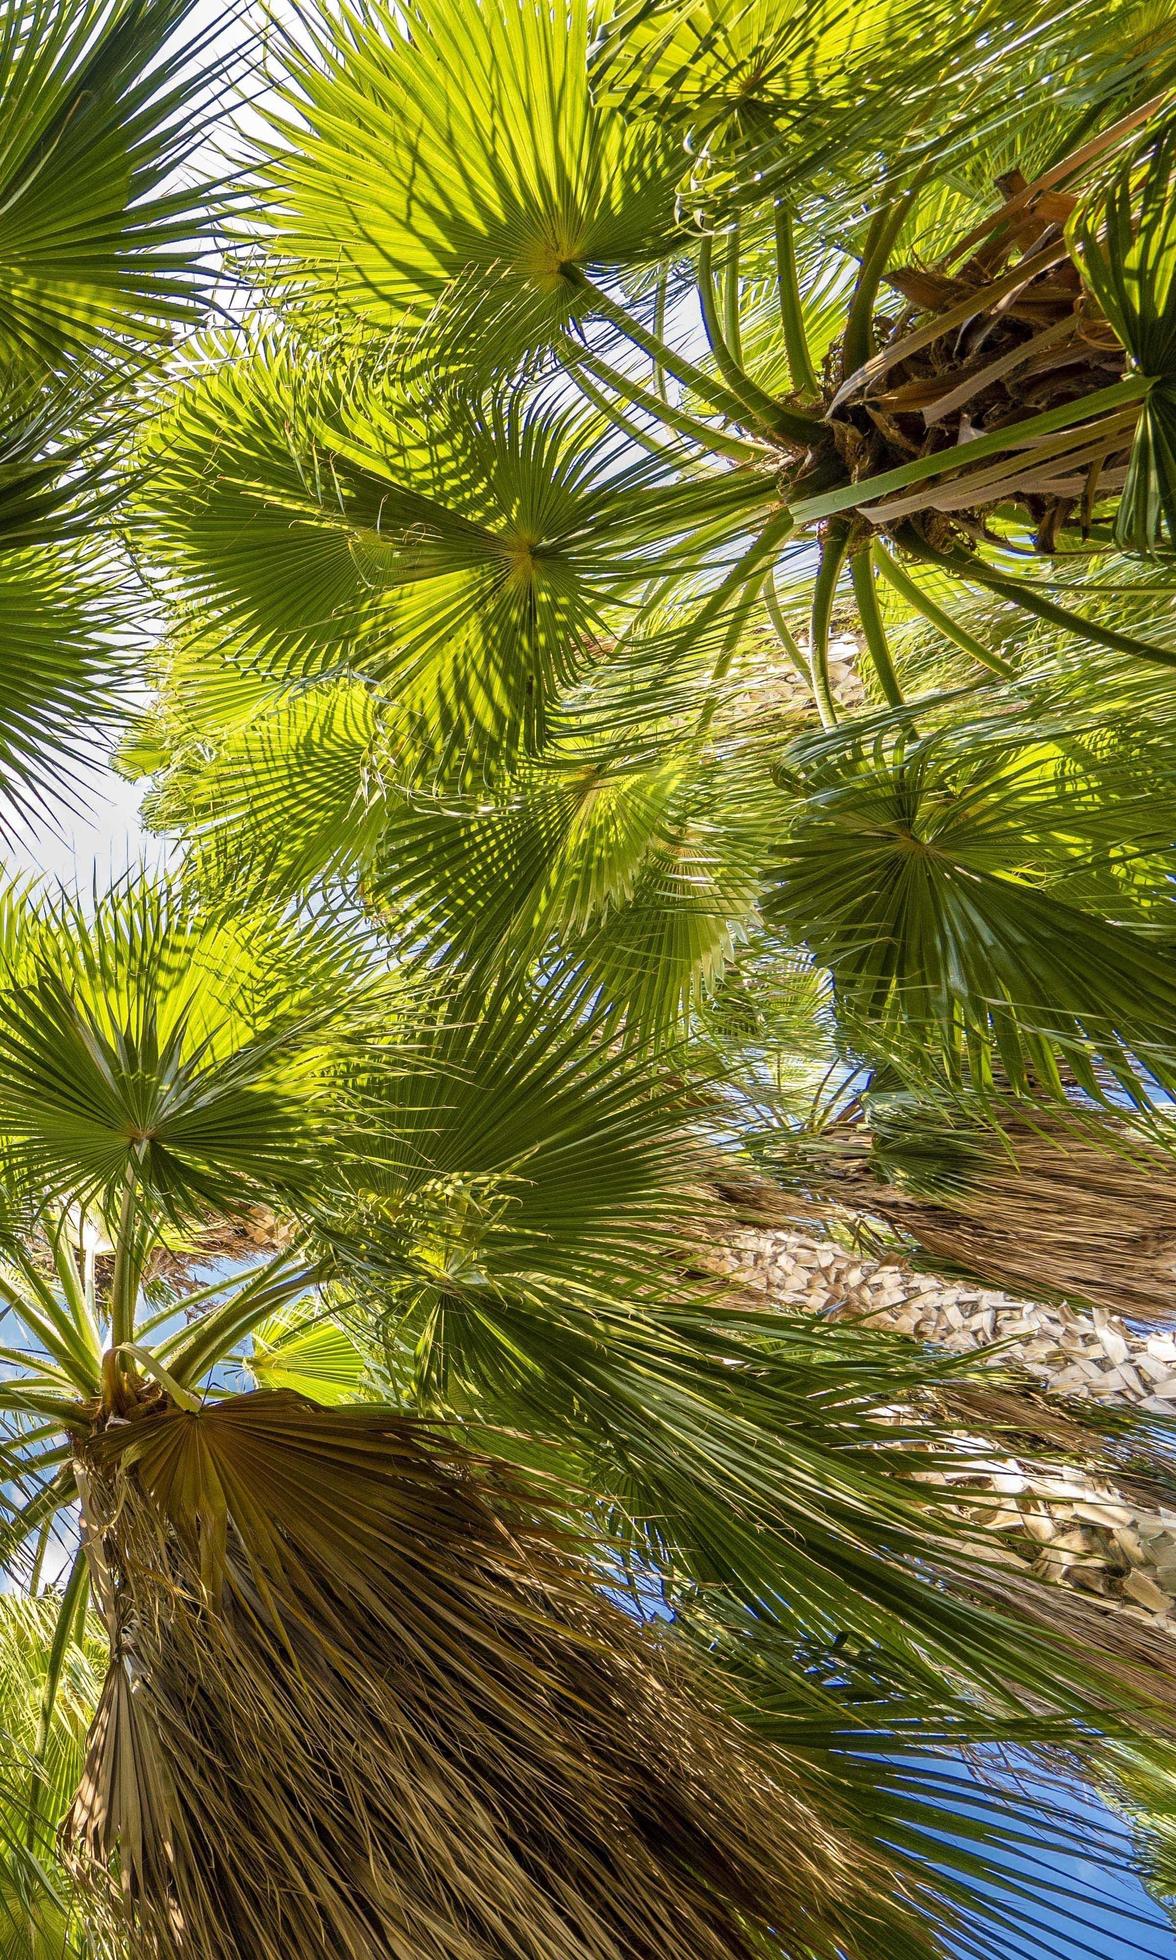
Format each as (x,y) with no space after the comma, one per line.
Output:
(1047,1204)
(367,1695)
(1011,332)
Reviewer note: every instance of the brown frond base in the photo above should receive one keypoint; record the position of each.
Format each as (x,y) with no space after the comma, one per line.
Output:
(1004,335)
(367,1696)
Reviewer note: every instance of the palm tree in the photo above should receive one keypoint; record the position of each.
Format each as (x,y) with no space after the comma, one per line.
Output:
(529,863)
(253,1557)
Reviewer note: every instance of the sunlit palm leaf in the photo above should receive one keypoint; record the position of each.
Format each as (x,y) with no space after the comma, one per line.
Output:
(466,557)
(141,1049)
(99,237)
(415,149)
(308,1353)
(60,618)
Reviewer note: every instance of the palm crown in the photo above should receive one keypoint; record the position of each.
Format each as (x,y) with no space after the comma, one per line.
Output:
(595,378)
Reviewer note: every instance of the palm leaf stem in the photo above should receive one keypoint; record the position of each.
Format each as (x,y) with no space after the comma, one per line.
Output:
(873,629)
(661,294)
(796,347)
(789,423)
(124,1285)
(215,1290)
(615,414)
(858,341)
(32,1401)
(734,633)
(757,404)
(783,631)
(897,576)
(43,1538)
(68,1612)
(150,1364)
(868,490)
(43,1317)
(79,1294)
(673,416)
(732,330)
(21,1357)
(737,585)
(833,551)
(1021,593)
(44,1504)
(193,1351)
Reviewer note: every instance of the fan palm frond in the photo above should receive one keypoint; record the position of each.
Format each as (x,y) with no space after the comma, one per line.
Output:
(930,877)
(408,154)
(142,1049)
(466,557)
(100,239)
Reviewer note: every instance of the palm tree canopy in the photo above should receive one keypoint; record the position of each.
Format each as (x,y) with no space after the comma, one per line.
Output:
(660,589)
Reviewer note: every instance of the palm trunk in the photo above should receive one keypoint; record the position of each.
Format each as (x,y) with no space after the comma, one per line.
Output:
(1074,1528)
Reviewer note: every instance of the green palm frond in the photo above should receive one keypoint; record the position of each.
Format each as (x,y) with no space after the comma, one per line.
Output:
(524,1234)
(263,531)
(501,1139)
(414,150)
(291,801)
(769,97)
(307,1353)
(750,1456)
(930,874)
(38,1916)
(635,874)
(667,667)
(466,557)
(65,630)
(992,1834)
(143,1049)
(100,237)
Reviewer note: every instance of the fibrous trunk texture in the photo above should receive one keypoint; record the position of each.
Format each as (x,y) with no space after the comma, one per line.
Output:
(368,1696)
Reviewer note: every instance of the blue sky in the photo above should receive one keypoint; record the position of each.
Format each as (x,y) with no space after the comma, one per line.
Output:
(1122,1922)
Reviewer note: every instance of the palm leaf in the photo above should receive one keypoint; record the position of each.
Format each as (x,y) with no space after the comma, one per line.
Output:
(98,229)
(921,873)
(309,1354)
(471,143)
(138,1048)
(511,1238)
(463,557)
(60,619)
(290,802)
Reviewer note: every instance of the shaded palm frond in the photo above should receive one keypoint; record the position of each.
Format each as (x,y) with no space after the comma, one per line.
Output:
(44,1751)
(66,625)
(931,876)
